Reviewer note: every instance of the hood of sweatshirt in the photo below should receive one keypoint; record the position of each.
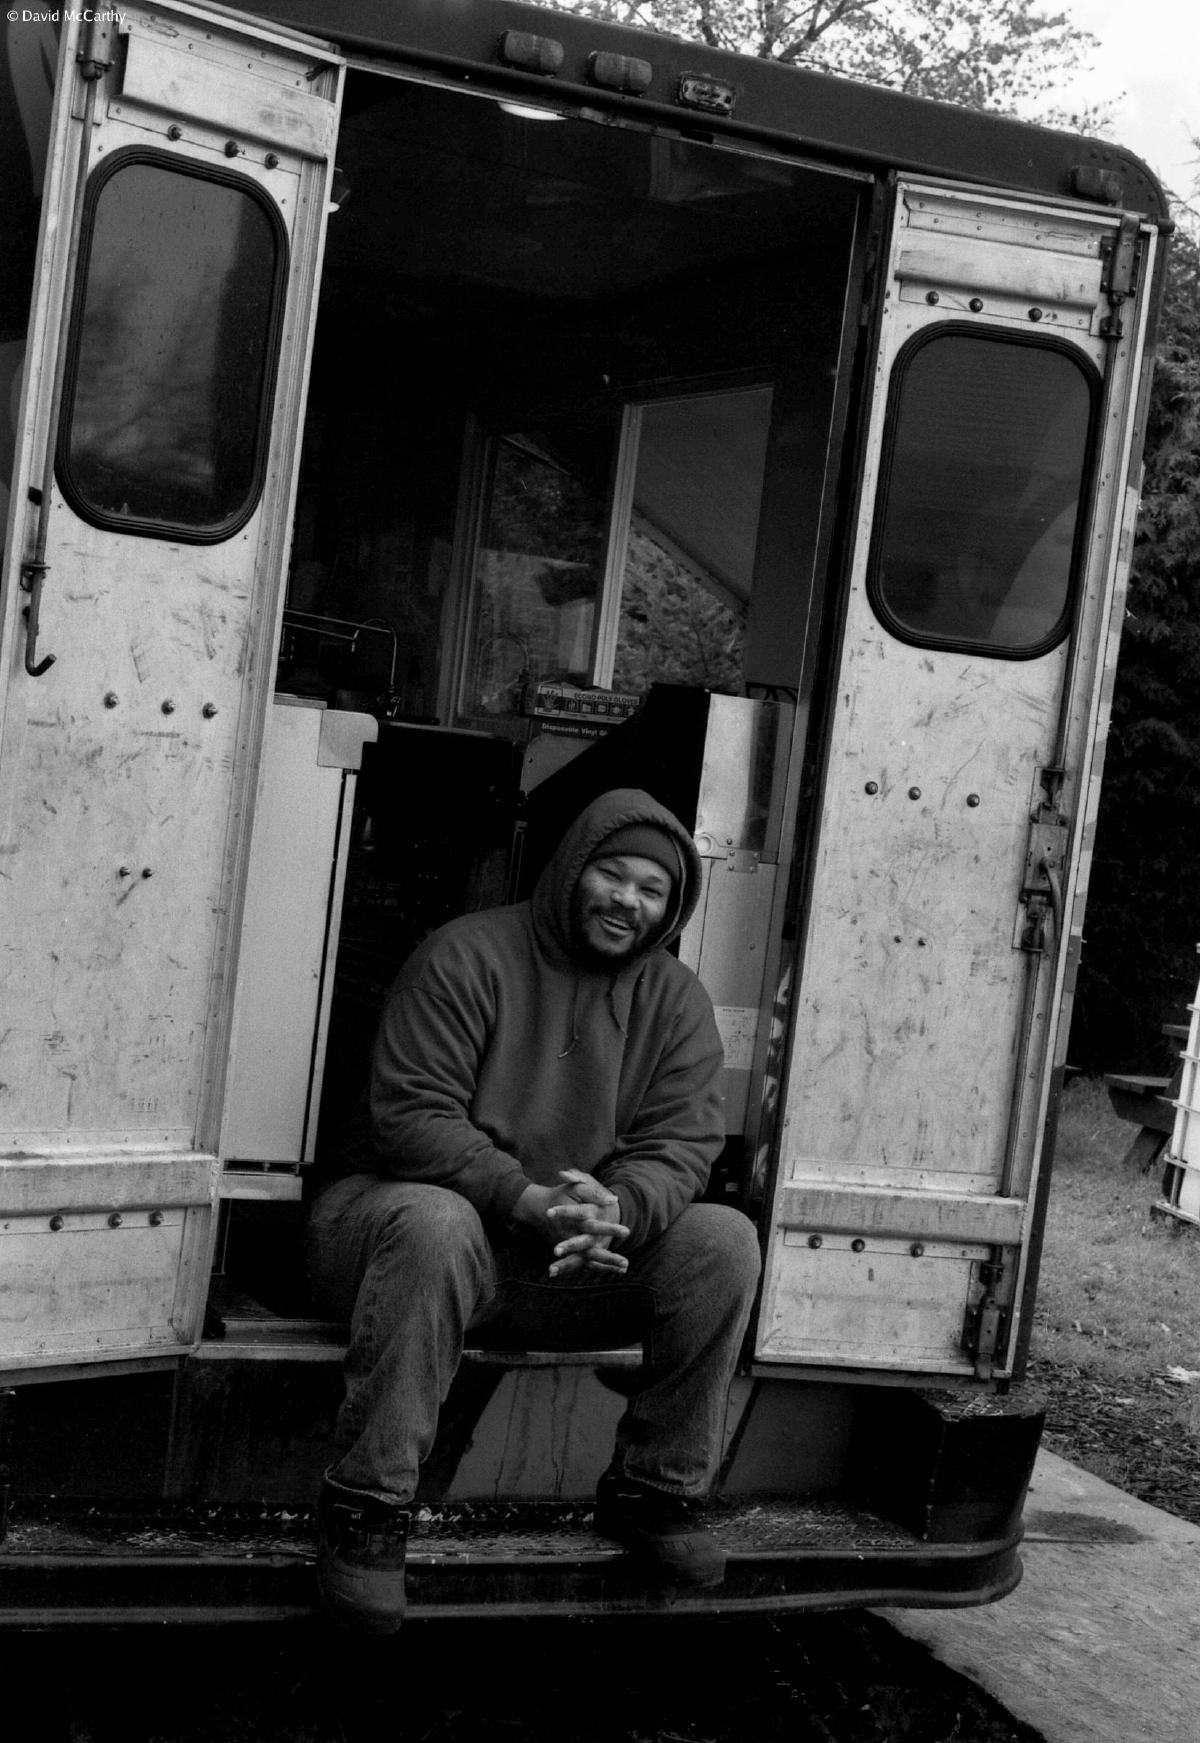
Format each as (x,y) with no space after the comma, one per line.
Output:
(553,893)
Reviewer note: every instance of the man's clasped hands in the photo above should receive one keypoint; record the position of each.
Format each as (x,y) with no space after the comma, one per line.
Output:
(588,1212)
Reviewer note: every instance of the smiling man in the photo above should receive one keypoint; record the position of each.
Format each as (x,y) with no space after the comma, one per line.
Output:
(622,896)
(545,1108)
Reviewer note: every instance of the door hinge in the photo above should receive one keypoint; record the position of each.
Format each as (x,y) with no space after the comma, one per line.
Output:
(1121,254)
(985,1327)
(97,45)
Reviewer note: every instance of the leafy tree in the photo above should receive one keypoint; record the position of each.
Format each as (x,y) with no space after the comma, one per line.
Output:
(1006,55)
(1143,923)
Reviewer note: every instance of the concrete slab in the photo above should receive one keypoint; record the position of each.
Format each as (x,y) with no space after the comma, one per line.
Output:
(1098,1644)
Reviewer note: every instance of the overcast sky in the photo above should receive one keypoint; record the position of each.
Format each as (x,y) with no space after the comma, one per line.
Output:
(1150,51)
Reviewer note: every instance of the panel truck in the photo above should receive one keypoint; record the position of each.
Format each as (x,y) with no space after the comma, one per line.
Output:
(417,420)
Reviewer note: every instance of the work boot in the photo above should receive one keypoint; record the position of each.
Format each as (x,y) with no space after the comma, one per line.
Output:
(360,1558)
(661,1530)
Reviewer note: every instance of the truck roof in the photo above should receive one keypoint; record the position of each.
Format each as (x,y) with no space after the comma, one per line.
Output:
(788,108)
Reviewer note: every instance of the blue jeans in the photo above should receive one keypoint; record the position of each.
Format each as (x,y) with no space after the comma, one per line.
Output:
(414,1270)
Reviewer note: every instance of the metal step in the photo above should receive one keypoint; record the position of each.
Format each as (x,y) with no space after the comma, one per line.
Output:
(62,1566)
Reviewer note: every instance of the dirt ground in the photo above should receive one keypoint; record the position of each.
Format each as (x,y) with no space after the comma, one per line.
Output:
(1127,1433)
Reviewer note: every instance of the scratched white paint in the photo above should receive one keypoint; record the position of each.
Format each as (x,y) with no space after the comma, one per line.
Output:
(911,988)
(115,840)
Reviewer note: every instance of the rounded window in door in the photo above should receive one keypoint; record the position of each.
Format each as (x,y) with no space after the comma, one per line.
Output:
(174,339)
(979,523)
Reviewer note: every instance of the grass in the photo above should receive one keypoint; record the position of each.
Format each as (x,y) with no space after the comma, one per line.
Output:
(1120,1287)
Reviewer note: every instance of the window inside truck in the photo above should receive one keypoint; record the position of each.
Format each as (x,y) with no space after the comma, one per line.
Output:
(978,527)
(172,351)
(693,535)
(539,569)
(646,521)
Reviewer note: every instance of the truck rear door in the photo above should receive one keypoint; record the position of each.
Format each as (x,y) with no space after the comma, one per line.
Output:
(184,215)
(954,800)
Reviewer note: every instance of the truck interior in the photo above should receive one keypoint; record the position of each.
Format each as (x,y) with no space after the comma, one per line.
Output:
(571,435)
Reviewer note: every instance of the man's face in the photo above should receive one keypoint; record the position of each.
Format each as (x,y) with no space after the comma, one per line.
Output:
(620,904)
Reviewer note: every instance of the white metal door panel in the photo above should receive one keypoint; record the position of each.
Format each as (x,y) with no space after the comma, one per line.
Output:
(127,765)
(907,1313)
(919,1046)
(906,1067)
(290,932)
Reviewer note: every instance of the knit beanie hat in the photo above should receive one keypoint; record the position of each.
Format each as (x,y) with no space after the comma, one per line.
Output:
(644,841)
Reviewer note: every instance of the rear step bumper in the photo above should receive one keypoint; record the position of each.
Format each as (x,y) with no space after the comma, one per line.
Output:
(89,1565)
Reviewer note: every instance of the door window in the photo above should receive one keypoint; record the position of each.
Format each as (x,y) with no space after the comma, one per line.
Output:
(978,526)
(173,347)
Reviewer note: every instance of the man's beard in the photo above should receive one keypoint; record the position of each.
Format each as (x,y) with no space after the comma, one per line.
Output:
(594,955)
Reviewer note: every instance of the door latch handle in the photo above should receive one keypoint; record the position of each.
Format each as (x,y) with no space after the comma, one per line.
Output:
(32,577)
(1041,887)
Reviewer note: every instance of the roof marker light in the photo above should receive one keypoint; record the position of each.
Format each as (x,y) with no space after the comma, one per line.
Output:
(535,54)
(1091,182)
(620,72)
(713,96)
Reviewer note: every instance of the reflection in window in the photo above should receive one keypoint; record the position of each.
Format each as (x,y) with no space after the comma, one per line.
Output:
(689,565)
(981,492)
(538,576)
(672,630)
(172,351)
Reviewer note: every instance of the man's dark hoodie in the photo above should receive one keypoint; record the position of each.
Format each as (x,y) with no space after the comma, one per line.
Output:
(505,1056)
